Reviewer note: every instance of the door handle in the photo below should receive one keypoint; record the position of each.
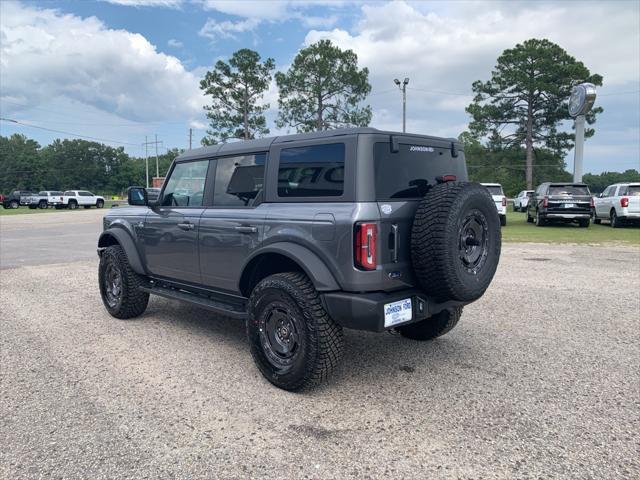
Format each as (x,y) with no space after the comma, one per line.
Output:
(245,229)
(186,226)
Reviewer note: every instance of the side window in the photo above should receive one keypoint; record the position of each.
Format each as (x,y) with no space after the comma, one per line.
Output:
(622,190)
(239,180)
(85,194)
(69,193)
(185,186)
(312,171)
(607,192)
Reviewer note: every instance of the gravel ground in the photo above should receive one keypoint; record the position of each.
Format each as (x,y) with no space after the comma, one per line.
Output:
(541,379)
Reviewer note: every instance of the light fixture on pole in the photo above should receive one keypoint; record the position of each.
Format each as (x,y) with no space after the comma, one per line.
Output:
(403,88)
(582,98)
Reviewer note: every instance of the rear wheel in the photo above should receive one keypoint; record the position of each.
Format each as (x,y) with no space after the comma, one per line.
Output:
(432,327)
(72,205)
(100,204)
(455,241)
(120,285)
(503,220)
(294,342)
(615,221)
(540,221)
(595,218)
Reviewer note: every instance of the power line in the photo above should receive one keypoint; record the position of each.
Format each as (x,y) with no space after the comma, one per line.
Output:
(68,133)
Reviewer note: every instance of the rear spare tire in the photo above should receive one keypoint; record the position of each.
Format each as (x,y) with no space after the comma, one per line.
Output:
(455,241)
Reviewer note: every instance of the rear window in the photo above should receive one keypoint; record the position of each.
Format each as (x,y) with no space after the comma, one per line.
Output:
(405,174)
(568,190)
(495,190)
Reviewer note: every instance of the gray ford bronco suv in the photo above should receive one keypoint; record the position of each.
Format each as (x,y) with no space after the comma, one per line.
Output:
(303,235)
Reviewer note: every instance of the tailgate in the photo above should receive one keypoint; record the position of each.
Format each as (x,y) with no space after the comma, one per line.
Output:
(569,204)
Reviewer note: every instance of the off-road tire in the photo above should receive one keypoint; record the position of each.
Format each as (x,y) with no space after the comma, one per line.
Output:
(133,301)
(446,219)
(320,339)
(432,327)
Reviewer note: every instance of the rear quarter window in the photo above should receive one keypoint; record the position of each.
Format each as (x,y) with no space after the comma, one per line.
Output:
(312,171)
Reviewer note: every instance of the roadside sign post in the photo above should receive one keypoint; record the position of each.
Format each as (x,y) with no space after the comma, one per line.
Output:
(582,98)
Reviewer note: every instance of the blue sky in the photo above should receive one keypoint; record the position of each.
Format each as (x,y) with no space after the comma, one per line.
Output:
(121,70)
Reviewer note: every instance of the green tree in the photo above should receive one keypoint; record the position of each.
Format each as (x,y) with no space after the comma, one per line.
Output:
(20,164)
(235,89)
(323,89)
(526,99)
(598,182)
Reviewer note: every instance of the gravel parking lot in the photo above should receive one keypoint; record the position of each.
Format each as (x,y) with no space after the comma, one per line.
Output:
(541,379)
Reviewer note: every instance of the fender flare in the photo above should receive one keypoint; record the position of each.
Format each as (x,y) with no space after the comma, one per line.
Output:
(321,277)
(123,238)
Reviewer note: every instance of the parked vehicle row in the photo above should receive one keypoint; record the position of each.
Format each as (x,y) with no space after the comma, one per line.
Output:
(71,199)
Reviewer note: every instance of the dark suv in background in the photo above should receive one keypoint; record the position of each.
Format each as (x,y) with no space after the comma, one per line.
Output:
(303,235)
(560,202)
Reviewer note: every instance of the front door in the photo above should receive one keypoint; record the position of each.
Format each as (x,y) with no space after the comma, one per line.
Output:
(233,227)
(171,229)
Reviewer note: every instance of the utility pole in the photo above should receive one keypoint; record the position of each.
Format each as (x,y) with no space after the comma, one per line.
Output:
(157,169)
(403,89)
(190,137)
(146,156)
(146,159)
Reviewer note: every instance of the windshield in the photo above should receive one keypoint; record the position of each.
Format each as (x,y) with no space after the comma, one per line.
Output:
(407,173)
(568,190)
(497,190)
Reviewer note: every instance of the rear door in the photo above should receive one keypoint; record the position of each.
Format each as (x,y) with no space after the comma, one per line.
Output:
(401,180)
(232,227)
(170,230)
(632,192)
(569,199)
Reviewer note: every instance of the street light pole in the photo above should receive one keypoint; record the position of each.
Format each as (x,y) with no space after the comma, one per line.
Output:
(403,89)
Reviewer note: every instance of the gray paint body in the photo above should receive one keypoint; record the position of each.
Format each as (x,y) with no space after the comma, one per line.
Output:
(317,233)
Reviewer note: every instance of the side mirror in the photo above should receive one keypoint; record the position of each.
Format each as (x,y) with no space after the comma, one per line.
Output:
(137,196)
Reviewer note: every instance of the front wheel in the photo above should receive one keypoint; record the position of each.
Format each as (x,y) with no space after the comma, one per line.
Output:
(120,285)
(43,204)
(14,204)
(293,341)
(432,327)
(100,204)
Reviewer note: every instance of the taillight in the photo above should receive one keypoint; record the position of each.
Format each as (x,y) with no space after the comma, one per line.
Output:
(545,202)
(365,246)
(624,202)
(592,202)
(504,201)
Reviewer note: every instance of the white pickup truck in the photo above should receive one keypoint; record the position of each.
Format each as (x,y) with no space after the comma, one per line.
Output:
(500,199)
(619,203)
(73,199)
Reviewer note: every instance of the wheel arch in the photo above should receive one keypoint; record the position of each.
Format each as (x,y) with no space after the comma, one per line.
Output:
(284,257)
(118,236)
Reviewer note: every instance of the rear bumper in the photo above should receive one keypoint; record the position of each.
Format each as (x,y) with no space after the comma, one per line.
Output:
(567,216)
(365,311)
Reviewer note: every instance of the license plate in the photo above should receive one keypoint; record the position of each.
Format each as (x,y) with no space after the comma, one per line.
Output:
(569,205)
(397,312)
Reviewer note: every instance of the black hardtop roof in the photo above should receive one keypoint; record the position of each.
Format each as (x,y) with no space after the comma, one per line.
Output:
(263,144)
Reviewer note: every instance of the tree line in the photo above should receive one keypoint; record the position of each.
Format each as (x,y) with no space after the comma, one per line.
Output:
(515,135)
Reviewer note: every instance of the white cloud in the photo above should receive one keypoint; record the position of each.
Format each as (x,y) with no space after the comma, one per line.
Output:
(173,43)
(214,29)
(46,54)
(147,3)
